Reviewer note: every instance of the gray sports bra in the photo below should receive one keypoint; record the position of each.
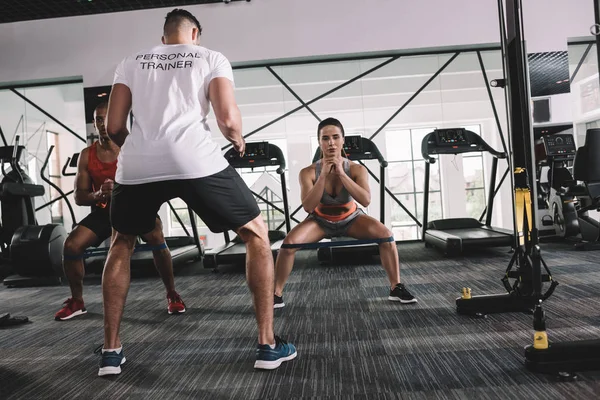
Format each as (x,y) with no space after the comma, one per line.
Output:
(343,196)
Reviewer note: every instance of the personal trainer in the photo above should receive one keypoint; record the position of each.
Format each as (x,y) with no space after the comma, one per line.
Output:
(170,153)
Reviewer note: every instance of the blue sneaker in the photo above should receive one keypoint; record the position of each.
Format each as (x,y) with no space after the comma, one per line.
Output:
(268,358)
(111,362)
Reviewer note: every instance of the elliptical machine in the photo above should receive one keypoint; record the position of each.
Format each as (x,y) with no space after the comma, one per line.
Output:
(570,191)
(34,252)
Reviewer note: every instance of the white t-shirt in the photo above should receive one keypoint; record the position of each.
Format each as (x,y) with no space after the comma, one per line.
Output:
(170,138)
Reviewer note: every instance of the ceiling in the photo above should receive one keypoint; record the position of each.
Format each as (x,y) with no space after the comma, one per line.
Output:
(26,10)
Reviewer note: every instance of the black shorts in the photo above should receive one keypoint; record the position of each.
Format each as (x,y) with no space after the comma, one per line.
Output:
(223,201)
(98,221)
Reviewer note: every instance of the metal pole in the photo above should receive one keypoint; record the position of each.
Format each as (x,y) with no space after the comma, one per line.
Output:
(382,194)
(522,149)
(425,199)
(490,206)
(286,207)
(596,30)
(194,229)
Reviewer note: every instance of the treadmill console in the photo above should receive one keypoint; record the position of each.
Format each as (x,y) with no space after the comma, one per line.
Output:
(353,145)
(451,137)
(254,151)
(454,141)
(559,145)
(256,154)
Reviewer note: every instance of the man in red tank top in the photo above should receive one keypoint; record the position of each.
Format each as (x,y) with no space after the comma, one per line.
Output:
(93,187)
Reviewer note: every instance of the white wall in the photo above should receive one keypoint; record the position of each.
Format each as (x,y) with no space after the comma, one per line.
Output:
(91,46)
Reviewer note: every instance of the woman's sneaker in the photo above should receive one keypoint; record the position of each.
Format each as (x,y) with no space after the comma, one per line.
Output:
(72,308)
(401,294)
(271,358)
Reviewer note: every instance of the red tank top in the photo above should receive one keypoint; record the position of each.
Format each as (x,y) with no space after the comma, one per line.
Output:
(100,171)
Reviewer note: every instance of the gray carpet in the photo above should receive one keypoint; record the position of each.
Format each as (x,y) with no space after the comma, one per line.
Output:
(352,342)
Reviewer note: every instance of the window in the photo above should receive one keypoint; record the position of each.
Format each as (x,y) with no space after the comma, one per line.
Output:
(406,174)
(474,179)
(182,212)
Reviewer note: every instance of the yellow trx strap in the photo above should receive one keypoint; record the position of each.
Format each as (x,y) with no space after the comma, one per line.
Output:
(523,202)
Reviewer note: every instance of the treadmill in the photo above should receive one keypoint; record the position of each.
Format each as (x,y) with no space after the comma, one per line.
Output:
(257,154)
(455,235)
(357,148)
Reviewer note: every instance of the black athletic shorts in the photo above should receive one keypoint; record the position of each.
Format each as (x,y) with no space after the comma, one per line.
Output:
(223,201)
(98,221)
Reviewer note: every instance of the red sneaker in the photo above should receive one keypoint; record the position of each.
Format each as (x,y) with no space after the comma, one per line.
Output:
(71,309)
(176,305)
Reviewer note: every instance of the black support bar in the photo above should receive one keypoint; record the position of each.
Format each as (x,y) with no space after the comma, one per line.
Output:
(62,196)
(285,85)
(493,103)
(490,204)
(335,89)
(3,137)
(496,190)
(194,229)
(394,115)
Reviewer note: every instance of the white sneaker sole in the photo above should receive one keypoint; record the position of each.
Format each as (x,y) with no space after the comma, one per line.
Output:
(279,305)
(111,370)
(177,312)
(261,364)
(75,314)
(391,298)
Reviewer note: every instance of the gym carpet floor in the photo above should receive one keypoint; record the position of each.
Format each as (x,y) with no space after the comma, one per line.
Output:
(352,342)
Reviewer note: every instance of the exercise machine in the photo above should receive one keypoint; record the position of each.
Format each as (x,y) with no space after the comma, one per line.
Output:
(556,154)
(257,154)
(455,235)
(571,188)
(356,148)
(35,251)
(551,168)
(586,169)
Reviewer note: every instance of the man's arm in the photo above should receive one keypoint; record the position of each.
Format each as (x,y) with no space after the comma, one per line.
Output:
(229,118)
(358,185)
(84,196)
(311,191)
(119,106)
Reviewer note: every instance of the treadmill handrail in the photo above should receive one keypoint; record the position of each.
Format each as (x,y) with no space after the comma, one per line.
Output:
(72,163)
(52,184)
(477,145)
(371,152)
